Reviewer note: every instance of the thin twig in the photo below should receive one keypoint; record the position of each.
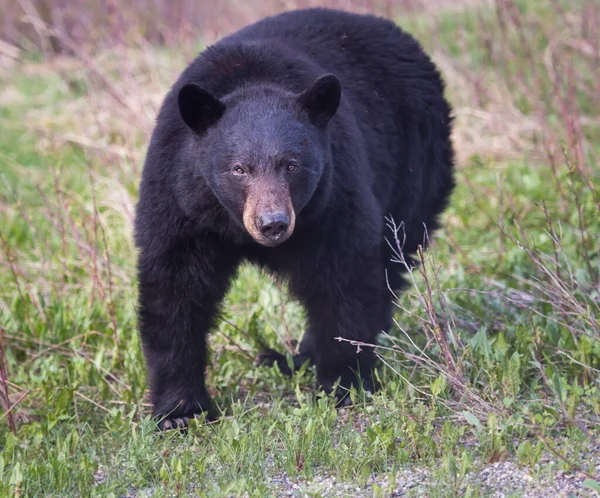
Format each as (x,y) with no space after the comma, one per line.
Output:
(4,380)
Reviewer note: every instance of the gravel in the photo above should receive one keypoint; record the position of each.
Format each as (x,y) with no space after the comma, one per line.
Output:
(497,480)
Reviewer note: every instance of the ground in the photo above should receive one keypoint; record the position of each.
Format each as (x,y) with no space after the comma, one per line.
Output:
(491,374)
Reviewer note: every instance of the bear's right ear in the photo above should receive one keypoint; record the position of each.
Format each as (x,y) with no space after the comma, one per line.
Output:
(199,108)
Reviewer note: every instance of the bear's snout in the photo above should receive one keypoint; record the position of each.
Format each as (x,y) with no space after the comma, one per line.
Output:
(273,225)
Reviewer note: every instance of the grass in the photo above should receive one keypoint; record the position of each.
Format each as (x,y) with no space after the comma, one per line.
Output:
(496,352)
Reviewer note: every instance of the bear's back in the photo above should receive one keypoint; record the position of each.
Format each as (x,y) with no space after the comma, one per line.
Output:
(371,56)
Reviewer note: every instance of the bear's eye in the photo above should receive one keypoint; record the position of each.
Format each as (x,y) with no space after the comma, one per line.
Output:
(238,169)
(291,167)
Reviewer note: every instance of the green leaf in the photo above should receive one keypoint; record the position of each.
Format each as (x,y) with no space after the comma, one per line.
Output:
(16,477)
(591,484)
(438,385)
(236,428)
(482,344)
(472,419)
(524,451)
(557,383)
(164,472)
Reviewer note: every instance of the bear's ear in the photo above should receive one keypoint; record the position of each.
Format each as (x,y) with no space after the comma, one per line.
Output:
(199,108)
(322,99)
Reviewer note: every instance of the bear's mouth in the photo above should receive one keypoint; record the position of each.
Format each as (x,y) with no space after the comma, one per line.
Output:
(271,242)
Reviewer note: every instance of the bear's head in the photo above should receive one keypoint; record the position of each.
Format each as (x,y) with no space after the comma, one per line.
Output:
(262,150)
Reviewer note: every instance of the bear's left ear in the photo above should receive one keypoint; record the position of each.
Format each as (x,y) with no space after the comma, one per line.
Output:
(199,108)
(322,99)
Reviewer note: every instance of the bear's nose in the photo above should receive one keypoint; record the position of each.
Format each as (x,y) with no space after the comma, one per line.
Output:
(273,225)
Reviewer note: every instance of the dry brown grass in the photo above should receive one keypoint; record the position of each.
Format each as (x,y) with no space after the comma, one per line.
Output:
(124,85)
(93,24)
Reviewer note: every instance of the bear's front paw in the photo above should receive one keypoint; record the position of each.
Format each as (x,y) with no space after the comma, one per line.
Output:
(177,415)
(180,423)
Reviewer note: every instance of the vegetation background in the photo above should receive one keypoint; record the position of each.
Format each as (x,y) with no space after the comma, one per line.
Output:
(492,370)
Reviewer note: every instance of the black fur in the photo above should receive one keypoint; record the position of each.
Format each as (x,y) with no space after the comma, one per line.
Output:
(385,150)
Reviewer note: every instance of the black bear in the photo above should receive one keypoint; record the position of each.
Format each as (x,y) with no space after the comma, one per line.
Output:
(288,144)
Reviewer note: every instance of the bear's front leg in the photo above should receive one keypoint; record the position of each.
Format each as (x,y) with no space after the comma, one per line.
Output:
(179,293)
(348,302)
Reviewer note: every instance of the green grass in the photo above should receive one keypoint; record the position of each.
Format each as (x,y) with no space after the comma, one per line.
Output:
(502,361)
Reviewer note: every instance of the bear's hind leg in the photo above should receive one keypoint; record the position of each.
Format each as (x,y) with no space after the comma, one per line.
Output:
(271,357)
